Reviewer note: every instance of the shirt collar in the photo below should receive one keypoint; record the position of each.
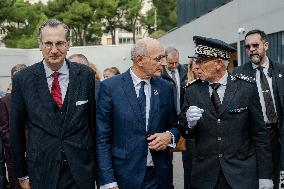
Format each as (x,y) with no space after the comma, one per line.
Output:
(265,65)
(223,80)
(136,80)
(63,70)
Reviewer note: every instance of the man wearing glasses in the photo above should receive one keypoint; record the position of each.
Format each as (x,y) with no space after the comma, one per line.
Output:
(269,77)
(56,100)
(224,115)
(136,123)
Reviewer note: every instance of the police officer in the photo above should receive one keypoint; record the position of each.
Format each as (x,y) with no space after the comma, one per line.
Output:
(224,115)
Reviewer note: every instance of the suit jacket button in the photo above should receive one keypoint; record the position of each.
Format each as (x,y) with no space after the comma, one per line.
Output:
(219,138)
(220,155)
(218,121)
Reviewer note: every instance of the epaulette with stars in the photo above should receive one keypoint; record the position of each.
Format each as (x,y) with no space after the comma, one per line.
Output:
(189,83)
(243,77)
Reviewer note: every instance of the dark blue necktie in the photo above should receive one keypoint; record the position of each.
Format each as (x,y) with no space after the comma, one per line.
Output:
(270,110)
(142,100)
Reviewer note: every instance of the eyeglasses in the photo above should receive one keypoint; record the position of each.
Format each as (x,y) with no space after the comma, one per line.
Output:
(255,46)
(58,44)
(157,59)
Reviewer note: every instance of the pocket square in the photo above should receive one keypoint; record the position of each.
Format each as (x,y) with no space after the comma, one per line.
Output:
(78,103)
(237,110)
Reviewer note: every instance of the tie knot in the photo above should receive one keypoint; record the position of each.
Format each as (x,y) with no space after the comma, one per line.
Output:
(142,84)
(260,68)
(215,86)
(55,75)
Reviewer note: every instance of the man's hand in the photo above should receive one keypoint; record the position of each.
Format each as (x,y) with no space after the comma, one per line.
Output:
(159,141)
(265,184)
(114,187)
(193,114)
(25,184)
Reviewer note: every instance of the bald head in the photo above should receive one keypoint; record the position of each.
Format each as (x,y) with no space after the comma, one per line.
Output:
(148,58)
(143,46)
(79,58)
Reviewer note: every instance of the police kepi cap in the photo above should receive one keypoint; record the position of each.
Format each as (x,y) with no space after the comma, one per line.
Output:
(209,47)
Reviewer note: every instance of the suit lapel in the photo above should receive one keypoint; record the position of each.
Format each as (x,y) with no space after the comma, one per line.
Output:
(129,90)
(73,89)
(154,101)
(205,96)
(43,91)
(231,89)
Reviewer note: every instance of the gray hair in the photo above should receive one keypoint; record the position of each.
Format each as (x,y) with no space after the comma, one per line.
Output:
(138,49)
(54,23)
(226,63)
(171,50)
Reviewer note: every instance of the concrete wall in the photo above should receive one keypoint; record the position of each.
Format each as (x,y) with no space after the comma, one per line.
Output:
(102,56)
(224,22)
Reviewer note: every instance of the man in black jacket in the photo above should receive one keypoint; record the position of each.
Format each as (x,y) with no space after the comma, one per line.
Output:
(269,77)
(224,114)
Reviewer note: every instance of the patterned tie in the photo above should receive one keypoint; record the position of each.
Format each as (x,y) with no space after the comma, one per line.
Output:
(56,90)
(215,97)
(176,91)
(270,111)
(142,100)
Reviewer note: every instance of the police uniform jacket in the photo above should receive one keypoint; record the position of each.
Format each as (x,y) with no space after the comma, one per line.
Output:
(235,140)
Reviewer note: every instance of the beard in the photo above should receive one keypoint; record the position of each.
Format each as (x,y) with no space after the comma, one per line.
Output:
(256,59)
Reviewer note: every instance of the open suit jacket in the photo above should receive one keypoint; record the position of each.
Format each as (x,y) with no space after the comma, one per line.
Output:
(121,132)
(235,140)
(182,70)
(48,136)
(276,70)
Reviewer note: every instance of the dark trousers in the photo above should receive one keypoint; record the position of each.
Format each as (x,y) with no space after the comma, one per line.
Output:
(275,149)
(187,163)
(66,180)
(151,179)
(13,180)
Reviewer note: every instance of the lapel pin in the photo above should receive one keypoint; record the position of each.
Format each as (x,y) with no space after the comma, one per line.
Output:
(280,75)
(155,92)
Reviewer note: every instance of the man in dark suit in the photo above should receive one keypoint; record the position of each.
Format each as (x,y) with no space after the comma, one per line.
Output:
(256,45)
(4,125)
(224,114)
(56,99)
(136,123)
(176,74)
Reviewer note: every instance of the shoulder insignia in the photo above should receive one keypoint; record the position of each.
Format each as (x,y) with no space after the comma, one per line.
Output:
(243,77)
(189,83)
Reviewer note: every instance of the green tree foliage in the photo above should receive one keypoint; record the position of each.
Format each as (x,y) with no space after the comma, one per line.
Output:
(164,14)
(132,16)
(80,17)
(5,6)
(23,20)
(111,12)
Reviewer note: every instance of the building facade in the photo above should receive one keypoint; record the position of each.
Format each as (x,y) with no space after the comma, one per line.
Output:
(228,20)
